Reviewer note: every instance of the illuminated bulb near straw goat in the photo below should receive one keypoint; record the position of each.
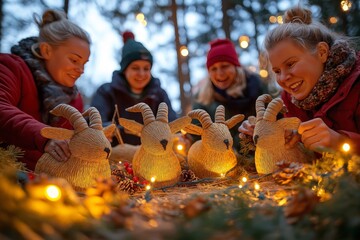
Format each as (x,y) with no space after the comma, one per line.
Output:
(52,193)
(346,147)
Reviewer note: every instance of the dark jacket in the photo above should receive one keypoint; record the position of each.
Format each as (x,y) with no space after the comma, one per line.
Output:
(341,113)
(241,105)
(118,92)
(20,115)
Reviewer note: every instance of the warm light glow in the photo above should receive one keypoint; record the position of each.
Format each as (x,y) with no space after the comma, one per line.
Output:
(180,147)
(148,187)
(244,41)
(333,20)
(280,20)
(244,179)
(345,5)
(272,19)
(140,17)
(282,202)
(346,147)
(152,179)
(321,192)
(184,51)
(256,186)
(53,193)
(183,132)
(222,174)
(120,162)
(263,73)
(240,186)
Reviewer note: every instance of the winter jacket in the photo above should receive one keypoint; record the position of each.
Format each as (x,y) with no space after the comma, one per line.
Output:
(118,93)
(20,116)
(341,112)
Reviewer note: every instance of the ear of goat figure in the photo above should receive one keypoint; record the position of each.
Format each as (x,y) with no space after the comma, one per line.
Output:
(70,113)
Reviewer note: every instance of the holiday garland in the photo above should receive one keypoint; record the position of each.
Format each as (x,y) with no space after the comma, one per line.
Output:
(320,200)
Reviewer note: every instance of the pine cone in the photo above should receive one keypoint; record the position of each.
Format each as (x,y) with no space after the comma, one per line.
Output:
(288,172)
(128,186)
(187,176)
(119,173)
(301,203)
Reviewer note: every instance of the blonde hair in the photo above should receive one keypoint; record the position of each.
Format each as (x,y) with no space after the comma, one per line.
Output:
(302,29)
(55,29)
(206,94)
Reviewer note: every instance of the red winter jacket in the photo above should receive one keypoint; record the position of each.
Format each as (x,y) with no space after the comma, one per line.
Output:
(341,113)
(20,117)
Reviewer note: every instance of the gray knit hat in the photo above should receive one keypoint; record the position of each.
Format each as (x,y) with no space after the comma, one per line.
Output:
(132,51)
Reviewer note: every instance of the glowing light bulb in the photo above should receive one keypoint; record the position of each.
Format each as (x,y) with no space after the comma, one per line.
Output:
(148,187)
(53,193)
(244,179)
(140,17)
(180,147)
(256,186)
(184,51)
(152,179)
(346,147)
(222,174)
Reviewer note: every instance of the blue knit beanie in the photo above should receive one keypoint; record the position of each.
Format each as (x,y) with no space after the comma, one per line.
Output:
(132,51)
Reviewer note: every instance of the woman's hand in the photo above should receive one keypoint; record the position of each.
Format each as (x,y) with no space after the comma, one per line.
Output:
(316,134)
(58,149)
(292,137)
(246,128)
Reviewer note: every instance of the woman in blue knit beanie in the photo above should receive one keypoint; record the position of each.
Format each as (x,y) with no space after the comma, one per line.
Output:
(130,85)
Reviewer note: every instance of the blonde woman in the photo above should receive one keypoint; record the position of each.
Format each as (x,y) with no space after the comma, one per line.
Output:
(40,74)
(228,84)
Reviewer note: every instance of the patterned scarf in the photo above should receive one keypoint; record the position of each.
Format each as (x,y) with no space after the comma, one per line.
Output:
(50,92)
(338,66)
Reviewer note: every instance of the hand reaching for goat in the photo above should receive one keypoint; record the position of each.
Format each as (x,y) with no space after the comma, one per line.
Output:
(58,149)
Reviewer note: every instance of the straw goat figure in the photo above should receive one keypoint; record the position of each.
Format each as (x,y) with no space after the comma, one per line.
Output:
(88,144)
(269,136)
(213,155)
(155,156)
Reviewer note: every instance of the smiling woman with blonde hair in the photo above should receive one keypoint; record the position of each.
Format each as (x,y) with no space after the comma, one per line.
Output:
(319,72)
(40,74)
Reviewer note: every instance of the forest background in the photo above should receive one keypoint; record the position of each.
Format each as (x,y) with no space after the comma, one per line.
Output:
(177,33)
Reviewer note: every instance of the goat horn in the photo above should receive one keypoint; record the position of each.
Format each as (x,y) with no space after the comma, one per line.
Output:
(72,114)
(202,116)
(260,105)
(95,119)
(162,114)
(220,114)
(273,109)
(147,113)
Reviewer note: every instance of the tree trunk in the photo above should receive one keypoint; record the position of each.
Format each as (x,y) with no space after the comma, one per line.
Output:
(183,68)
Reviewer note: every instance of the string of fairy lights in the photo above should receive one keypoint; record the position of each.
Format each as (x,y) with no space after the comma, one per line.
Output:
(244,40)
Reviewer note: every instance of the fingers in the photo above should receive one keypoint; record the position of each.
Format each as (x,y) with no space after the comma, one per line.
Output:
(58,149)
(316,135)
(292,137)
(246,128)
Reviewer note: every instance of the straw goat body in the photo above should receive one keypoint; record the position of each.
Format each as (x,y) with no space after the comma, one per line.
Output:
(213,155)
(88,144)
(155,156)
(269,136)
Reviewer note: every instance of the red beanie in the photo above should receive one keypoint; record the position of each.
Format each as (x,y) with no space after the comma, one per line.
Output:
(222,50)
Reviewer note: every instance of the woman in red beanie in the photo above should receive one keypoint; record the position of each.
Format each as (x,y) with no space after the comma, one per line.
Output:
(228,84)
